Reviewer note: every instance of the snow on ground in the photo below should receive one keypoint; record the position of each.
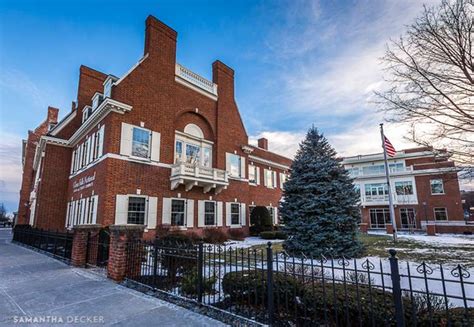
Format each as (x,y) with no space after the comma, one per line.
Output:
(249,242)
(438,240)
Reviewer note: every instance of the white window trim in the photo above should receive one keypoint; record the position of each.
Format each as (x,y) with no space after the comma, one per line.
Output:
(147,209)
(442,184)
(256,174)
(445,210)
(191,140)
(185,222)
(215,214)
(150,133)
(239,225)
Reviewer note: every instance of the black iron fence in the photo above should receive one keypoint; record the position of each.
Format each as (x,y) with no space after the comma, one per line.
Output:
(58,244)
(97,254)
(281,289)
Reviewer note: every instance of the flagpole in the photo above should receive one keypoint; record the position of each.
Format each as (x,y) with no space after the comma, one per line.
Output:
(390,200)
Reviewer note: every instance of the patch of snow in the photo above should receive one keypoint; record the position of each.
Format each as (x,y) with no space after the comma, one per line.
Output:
(438,240)
(249,242)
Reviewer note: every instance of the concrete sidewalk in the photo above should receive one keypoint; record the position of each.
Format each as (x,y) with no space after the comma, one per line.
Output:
(34,286)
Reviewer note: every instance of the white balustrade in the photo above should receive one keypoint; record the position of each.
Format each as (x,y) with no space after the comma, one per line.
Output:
(195,79)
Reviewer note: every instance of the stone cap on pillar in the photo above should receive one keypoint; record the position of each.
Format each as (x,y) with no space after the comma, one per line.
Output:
(127,229)
(87,227)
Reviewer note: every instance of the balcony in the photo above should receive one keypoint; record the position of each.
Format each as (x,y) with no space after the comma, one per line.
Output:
(196,80)
(191,175)
(383,199)
(393,172)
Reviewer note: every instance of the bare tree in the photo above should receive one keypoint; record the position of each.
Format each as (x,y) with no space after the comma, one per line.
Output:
(430,73)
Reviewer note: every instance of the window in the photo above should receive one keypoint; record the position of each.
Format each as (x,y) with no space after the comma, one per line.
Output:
(234,165)
(271,210)
(253,174)
(108,89)
(270,178)
(404,188)
(396,167)
(373,170)
(206,157)
(353,171)
(95,102)
(376,189)
(407,217)
(82,211)
(209,213)
(357,189)
(178,152)
(136,210)
(235,214)
(379,217)
(140,143)
(88,151)
(177,212)
(86,113)
(437,186)
(440,214)
(282,180)
(192,154)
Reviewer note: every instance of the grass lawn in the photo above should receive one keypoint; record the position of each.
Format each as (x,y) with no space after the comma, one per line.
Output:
(416,250)
(413,250)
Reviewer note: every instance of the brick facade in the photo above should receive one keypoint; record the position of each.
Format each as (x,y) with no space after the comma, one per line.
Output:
(419,167)
(152,96)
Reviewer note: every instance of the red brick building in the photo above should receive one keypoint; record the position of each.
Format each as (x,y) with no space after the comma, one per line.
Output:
(424,186)
(160,145)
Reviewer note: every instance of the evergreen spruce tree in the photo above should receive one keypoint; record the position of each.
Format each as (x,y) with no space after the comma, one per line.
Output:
(320,207)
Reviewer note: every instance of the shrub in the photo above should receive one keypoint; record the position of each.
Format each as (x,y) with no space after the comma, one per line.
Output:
(249,286)
(279,235)
(189,284)
(236,234)
(273,235)
(310,300)
(214,235)
(255,230)
(269,235)
(260,217)
(174,254)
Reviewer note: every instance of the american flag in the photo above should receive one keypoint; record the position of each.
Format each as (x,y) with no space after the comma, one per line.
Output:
(389,147)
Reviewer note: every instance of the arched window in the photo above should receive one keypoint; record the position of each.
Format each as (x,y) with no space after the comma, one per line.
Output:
(194,130)
(192,148)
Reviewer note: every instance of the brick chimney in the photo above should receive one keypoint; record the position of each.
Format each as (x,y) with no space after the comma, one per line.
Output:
(223,76)
(263,143)
(160,40)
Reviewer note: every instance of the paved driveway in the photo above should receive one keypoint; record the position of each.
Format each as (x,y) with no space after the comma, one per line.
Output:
(40,290)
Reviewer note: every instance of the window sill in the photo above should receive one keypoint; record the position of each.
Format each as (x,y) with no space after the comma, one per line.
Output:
(172,228)
(240,179)
(235,226)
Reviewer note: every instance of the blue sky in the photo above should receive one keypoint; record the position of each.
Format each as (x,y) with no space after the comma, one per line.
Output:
(296,62)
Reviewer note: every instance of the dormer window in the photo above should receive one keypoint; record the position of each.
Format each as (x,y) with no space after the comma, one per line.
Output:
(108,88)
(109,81)
(86,113)
(95,102)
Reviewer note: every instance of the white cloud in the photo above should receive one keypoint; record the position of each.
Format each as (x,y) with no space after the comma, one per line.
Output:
(283,143)
(10,169)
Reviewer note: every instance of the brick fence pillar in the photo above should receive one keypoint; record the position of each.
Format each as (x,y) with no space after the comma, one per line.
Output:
(431,229)
(120,236)
(79,243)
(364,227)
(389,228)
